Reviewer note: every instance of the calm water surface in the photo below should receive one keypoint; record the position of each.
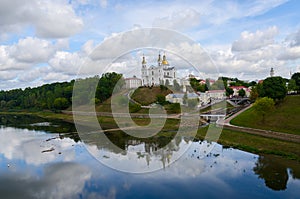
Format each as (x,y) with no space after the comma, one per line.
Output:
(42,159)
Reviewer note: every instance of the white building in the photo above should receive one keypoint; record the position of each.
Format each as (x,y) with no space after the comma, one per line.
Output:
(211,96)
(178,97)
(133,82)
(160,74)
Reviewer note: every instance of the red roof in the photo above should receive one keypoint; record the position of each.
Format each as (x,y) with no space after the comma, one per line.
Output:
(238,87)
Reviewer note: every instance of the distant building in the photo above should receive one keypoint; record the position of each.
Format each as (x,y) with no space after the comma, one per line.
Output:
(160,74)
(133,82)
(178,97)
(272,73)
(237,88)
(211,96)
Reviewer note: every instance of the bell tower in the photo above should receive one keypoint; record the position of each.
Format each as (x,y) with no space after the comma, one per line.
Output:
(144,72)
(272,72)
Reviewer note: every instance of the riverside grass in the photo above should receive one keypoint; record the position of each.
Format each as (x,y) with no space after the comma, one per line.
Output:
(285,118)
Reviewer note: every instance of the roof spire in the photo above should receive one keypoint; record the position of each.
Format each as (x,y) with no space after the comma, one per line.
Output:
(144,60)
(159,58)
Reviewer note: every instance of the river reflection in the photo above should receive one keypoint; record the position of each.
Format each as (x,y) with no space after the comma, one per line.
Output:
(69,171)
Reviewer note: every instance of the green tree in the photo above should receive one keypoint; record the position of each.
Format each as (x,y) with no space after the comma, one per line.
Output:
(61,103)
(197,86)
(296,77)
(242,92)
(109,83)
(275,175)
(274,87)
(253,93)
(229,91)
(133,107)
(264,106)
(163,87)
(161,99)
(292,86)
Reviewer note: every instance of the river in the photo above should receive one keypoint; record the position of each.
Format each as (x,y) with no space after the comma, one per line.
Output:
(46,159)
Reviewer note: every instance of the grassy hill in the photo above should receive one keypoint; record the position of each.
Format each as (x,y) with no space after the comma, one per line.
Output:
(147,95)
(285,117)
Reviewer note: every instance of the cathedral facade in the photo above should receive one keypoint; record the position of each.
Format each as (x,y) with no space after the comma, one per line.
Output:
(162,74)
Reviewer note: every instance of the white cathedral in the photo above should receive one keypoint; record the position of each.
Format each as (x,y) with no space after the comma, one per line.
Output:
(163,73)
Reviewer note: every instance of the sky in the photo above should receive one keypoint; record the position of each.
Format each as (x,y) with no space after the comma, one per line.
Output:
(49,41)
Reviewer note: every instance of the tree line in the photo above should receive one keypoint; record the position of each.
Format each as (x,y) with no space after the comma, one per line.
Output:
(58,95)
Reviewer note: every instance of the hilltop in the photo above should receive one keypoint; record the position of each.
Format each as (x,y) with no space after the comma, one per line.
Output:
(148,95)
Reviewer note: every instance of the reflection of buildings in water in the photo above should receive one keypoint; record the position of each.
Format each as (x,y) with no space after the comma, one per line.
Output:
(152,149)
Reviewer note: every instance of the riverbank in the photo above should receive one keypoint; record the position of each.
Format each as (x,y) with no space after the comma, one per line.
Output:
(285,118)
(229,138)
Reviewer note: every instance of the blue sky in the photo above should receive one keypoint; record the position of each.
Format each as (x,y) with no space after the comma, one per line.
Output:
(46,41)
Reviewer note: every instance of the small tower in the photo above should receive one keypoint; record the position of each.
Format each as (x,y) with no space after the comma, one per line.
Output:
(144,72)
(144,62)
(272,72)
(159,60)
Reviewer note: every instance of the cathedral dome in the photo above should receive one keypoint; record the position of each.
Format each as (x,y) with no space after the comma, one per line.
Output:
(165,62)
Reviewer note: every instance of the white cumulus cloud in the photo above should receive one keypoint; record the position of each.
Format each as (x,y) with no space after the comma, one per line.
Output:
(251,41)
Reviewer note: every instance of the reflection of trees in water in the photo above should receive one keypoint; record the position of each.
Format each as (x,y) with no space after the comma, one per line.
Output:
(272,171)
(32,122)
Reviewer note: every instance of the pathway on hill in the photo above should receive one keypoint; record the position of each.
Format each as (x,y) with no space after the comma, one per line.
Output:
(265,133)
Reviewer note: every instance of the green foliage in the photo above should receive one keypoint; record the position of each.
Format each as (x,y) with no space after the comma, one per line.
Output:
(242,92)
(254,93)
(160,99)
(292,86)
(285,117)
(59,95)
(236,82)
(197,86)
(163,87)
(36,98)
(173,108)
(273,87)
(229,91)
(133,108)
(109,83)
(61,103)
(95,101)
(296,77)
(264,106)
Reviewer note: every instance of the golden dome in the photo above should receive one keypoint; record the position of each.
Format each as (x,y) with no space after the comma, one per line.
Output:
(165,62)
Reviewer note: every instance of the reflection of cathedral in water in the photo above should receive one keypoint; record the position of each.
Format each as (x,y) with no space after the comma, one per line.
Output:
(152,149)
